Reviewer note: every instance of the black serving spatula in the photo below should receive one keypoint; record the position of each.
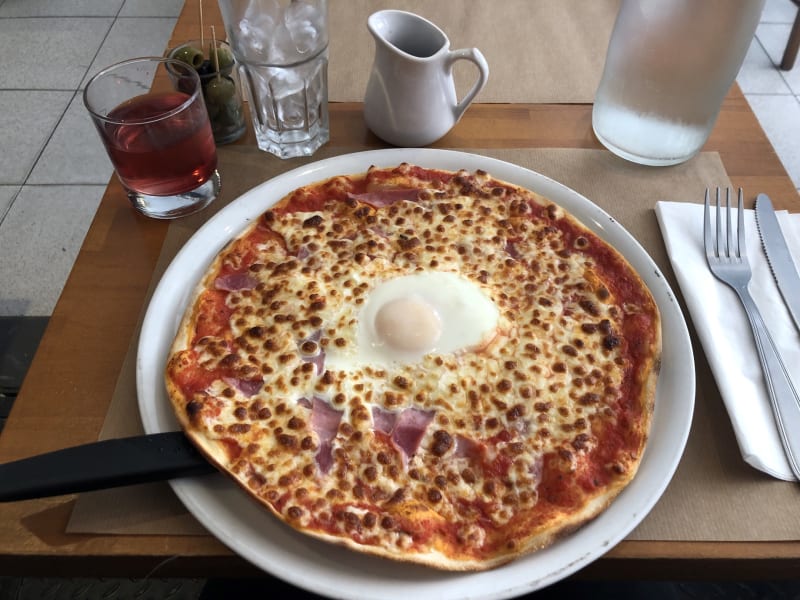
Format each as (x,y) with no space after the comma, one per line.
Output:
(100,465)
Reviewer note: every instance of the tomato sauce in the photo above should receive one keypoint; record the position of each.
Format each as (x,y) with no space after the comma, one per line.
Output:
(214,315)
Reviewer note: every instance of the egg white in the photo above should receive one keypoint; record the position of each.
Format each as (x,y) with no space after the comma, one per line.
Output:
(467,317)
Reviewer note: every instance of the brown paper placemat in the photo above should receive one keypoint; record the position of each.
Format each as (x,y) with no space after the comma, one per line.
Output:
(713,496)
(538,51)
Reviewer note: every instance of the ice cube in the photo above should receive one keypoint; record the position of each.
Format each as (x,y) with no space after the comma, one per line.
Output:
(285,83)
(301,10)
(305,21)
(257,9)
(249,24)
(288,94)
(252,36)
(304,37)
(281,48)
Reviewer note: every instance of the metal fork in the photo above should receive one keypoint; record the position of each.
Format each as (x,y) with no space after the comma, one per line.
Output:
(727,260)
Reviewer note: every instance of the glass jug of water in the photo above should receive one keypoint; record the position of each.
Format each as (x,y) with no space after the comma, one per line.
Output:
(668,68)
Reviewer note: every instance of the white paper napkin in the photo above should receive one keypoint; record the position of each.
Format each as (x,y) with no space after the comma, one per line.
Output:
(724,331)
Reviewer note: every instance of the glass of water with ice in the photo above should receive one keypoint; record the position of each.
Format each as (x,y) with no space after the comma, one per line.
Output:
(281,47)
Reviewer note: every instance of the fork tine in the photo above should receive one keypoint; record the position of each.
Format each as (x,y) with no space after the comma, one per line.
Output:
(719,226)
(707,242)
(742,249)
(729,232)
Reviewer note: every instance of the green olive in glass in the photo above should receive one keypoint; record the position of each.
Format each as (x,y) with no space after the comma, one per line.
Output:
(221,93)
(190,55)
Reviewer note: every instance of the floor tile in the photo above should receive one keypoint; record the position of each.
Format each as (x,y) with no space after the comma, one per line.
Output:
(780,118)
(151,8)
(7,193)
(793,78)
(75,153)
(773,38)
(758,74)
(49,53)
(27,119)
(130,38)
(39,240)
(62,8)
(778,11)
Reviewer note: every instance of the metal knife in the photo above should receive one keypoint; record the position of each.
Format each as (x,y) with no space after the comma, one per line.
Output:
(778,256)
(100,465)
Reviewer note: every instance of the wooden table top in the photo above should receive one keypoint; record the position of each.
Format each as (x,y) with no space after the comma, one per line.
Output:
(65,396)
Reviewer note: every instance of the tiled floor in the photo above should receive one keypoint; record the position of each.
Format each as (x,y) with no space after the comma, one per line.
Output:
(53,170)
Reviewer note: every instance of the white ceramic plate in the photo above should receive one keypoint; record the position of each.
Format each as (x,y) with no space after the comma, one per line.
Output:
(248,529)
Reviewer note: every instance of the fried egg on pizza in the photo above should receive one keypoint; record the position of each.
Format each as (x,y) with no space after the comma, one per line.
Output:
(430,366)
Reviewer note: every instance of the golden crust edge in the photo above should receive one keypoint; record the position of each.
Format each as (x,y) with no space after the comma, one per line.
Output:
(214,452)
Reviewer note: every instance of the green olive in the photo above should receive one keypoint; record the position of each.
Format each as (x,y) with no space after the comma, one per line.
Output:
(213,112)
(190,55)
(223,55)
(219,90)
(231,113)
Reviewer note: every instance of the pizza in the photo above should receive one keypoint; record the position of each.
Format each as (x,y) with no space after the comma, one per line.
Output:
(430,366)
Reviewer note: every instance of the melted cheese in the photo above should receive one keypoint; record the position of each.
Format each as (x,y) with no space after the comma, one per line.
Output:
(535,389)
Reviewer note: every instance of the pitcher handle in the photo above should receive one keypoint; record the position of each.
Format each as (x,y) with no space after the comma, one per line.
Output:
(474,56)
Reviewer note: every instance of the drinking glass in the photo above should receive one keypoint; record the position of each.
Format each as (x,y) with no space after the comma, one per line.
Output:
(213,61)
(160,142)
(281,47)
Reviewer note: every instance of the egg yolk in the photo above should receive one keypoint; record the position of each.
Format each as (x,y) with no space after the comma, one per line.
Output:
(408,324)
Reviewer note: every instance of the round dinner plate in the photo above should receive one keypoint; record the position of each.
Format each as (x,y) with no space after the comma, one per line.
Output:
(251,531)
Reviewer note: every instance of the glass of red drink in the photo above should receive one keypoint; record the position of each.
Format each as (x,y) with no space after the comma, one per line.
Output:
(159,140)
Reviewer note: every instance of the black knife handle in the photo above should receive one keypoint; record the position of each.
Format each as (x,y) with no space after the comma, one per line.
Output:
(99,465)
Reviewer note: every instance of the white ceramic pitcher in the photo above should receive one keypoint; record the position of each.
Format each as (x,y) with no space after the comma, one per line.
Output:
(411,97)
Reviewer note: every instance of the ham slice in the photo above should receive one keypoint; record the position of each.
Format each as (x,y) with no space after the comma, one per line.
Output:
(467,448)
(537,468)
(316,336)
(381,198)
(383,420)
(379,232)
(325,423)
(235,282)
(512,251)
(248,387)
(409,429)
(405,429)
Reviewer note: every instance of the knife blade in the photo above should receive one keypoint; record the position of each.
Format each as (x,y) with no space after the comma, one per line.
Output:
(778,256)
(100,465)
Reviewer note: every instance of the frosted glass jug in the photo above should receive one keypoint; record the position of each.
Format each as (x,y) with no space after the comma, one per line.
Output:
(668,68)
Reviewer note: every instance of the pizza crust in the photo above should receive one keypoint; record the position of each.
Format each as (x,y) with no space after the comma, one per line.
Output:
(213,401)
